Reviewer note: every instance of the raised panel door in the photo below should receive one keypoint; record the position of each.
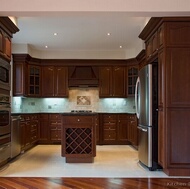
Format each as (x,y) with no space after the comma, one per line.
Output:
(119,82)
(178,77)
(61,81)
(48,81)
(122,129)
(44,128)
(105,78)
(19,79)
(8,47)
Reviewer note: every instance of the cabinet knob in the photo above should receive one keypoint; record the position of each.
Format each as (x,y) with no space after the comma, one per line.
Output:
(78,120)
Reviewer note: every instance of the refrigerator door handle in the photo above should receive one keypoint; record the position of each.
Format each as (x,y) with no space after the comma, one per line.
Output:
(142,129)
(136,97)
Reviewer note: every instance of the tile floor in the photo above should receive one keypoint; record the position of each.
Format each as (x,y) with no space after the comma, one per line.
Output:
(46,161)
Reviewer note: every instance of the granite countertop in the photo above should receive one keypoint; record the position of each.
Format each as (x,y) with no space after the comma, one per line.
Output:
(71,113)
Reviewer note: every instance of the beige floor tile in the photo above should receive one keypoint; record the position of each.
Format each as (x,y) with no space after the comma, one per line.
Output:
(46,161)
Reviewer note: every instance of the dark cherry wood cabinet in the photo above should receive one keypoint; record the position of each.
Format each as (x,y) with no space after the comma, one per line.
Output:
(55,127)
(34,79)
(132,75)
(105,80)
(7,29)
(171,49)
(118,128)
(26,76)
(78,138)
(48,81)
(55,81)
(123,128)
(132,130)
(29,126)
(109,124)
(44,135)
(112,81)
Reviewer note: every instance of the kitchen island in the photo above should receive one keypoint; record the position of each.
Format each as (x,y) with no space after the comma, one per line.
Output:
(78,137)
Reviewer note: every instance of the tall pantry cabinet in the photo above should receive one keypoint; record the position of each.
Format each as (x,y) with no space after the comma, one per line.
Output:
(167,42)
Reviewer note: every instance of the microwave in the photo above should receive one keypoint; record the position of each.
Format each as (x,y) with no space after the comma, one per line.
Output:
(5,72)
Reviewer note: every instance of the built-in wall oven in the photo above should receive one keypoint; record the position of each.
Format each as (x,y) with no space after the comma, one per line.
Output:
(5,75)
(5,112)
(5,128)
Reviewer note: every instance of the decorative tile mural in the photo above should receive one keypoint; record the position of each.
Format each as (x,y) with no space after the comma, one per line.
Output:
(83,100)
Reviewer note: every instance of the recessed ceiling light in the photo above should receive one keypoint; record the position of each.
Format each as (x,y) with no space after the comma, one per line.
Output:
(120,47)
(108,34)
(55,34)
(46,46)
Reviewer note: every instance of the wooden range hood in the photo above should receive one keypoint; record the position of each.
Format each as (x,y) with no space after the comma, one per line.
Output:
(83,76)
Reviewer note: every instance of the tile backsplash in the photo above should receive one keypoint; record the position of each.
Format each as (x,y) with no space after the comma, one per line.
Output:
(79,99)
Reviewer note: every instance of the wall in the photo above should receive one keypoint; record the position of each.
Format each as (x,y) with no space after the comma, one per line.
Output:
(88,99)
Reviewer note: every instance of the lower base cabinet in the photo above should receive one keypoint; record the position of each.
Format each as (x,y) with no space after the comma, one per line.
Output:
(29,127)
(118,129)
(79,138)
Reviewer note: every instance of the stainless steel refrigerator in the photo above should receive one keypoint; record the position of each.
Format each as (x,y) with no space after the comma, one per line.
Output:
(146,100)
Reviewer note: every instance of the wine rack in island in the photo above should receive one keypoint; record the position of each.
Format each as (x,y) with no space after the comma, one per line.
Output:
(78,137)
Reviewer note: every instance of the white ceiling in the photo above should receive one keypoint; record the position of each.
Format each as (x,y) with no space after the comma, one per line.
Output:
(80,31)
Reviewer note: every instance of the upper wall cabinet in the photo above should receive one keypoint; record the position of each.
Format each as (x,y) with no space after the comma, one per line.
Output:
(7,29)
(112,82)
(132,75)
(26,76)
(54,81)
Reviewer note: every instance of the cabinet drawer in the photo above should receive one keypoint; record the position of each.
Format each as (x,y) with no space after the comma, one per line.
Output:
(55,116)
(110,135)
(109,118)
(44,116)
(109,125)
(55,134)
(78,119)
(34,127)
(55,123)
(123,117)
(132,117)
(55,127)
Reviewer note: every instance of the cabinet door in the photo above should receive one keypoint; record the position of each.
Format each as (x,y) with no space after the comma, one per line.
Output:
(132,75)
(19,79)
(8,47)
(118,82)
(48,81)
(122,128)
(34,74)
(44,128)
(105,78)
(61,81)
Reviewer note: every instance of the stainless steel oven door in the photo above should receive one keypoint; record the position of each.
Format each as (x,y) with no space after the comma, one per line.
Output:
(5,72)
(5,111)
